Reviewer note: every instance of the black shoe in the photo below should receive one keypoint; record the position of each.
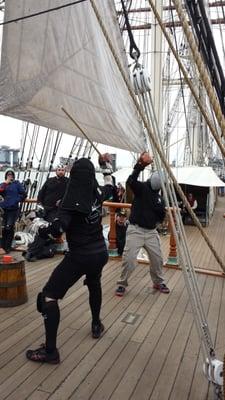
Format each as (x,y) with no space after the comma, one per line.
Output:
(96,330)
(120,291)
(40,355)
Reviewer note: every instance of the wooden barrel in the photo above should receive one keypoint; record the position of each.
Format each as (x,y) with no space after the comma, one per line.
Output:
(13,289)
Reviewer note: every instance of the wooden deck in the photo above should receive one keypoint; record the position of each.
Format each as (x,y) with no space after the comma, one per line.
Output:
(156,357)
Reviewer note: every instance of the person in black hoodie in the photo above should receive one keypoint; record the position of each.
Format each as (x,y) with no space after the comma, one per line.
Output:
(52,192)
(80,218)
(147,210)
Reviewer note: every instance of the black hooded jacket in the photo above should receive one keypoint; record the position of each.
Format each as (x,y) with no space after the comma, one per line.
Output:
(53,190)
(80,210)
(148,207)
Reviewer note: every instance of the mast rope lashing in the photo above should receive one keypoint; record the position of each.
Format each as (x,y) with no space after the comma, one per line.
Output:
(150,133)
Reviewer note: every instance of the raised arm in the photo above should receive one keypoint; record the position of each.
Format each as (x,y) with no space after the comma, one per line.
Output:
(144,160)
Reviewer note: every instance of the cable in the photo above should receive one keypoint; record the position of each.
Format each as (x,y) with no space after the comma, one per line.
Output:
(134,50)
(180,77)
(42,12)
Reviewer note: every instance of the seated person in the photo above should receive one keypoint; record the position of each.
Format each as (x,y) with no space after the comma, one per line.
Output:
(121,229)
(120,193)
(109,189)
(193,203)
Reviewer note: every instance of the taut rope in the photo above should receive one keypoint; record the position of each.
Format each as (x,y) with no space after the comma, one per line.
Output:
(201,67)
(152,136)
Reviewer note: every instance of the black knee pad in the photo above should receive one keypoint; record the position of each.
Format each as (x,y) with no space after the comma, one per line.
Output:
(43,305)
(40,300)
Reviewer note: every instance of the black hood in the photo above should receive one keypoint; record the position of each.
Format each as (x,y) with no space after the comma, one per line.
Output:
(82,187)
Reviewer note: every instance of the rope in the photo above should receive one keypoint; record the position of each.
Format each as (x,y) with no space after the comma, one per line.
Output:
(201,67)
(188,81)
(134,50)
(152,136)
(224,377)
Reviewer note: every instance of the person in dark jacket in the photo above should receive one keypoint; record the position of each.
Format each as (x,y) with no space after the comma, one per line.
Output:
(121,229)
(147,210)
(80,217)
(12,192)
(109,188)
(52,192)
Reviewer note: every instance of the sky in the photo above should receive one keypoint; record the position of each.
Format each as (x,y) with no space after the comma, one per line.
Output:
(10,131)
(10,135)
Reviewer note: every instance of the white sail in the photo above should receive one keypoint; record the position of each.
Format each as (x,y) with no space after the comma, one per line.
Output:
(61,58)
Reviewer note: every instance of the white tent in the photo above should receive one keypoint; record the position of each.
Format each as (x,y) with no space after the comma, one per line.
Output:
(197,176)
(61,58)
(201,177)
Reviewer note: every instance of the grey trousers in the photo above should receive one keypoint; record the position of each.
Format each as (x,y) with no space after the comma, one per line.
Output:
(136,238)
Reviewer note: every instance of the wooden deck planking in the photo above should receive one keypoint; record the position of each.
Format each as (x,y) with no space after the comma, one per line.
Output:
(157,357)
(201,254)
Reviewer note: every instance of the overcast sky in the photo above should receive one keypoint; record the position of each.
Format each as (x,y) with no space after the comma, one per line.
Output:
(10,131)
(10,135)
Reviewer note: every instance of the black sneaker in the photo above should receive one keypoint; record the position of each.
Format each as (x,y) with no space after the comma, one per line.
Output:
(120,291)
(40,355)
(96,330)
(161,287)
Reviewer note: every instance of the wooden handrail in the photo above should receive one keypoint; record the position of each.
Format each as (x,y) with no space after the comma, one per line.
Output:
(112,229)
(105,203)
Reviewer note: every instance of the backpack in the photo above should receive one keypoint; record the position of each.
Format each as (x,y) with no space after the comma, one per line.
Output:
(40,248)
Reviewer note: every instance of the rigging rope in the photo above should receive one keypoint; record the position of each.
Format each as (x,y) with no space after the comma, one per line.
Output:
(206,44)
(49,10)
(210,363)
(180,77)
(134,50)
(224,377)
(22,150)
(34,185)
(145,100)
(55,149)
(151,135)
(201,67)
(189,82)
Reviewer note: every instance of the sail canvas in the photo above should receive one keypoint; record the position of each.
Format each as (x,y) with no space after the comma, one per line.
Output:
(61,59)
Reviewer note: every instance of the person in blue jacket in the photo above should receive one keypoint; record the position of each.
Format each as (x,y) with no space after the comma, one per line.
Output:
(12,193)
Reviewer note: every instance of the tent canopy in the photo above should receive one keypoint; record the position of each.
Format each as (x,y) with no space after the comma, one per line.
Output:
(195,176)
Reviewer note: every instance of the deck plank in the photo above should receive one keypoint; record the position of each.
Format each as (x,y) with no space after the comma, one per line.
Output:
(157,357)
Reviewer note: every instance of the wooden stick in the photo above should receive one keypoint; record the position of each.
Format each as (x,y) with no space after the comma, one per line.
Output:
(79,127)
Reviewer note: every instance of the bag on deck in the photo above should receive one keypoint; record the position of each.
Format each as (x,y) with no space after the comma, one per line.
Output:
(40,248)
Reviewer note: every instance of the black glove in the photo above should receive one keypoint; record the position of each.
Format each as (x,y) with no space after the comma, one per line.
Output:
(55,228)
(52,230)
(43,232)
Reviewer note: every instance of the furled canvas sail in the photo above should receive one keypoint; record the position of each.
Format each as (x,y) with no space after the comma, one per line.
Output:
(61,58)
